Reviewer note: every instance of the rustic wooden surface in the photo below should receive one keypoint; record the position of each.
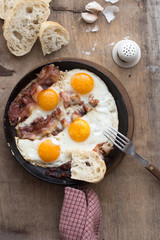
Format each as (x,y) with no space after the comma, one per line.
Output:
(129,196)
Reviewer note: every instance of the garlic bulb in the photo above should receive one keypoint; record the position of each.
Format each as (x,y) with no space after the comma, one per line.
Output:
(94,7)
(89,17)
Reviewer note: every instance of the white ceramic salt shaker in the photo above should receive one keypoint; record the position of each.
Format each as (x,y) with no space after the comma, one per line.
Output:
(126,53)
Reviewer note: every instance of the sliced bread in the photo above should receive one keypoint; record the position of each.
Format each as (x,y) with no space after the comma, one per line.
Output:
(87,166)
(52,37)
(2,14)
(6,6)
(22,24)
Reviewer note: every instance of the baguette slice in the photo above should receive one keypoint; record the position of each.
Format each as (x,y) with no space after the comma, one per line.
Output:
(6,6)
(52,37)
(87,166)
(2,14)
(21,27)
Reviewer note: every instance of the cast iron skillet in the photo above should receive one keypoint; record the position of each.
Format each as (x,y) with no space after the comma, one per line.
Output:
(124,106)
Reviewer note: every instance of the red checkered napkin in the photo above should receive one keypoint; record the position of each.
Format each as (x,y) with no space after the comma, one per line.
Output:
(80,215)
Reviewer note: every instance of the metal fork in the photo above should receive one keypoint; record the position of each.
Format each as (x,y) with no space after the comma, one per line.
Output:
(126,146)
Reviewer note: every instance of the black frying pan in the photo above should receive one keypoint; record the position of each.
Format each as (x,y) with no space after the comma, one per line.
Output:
(124,106)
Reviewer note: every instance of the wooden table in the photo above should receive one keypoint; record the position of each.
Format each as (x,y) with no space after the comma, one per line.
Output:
(129,195)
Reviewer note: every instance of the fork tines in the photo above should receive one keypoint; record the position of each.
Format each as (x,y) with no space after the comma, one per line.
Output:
(117,138)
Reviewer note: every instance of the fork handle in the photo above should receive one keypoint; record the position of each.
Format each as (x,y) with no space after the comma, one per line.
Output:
(155,171)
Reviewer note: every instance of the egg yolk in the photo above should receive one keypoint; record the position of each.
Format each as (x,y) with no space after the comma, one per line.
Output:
(48,151)
(47,99)
(79,130)
(82,83)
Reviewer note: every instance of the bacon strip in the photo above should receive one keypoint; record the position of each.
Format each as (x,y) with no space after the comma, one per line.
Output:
(87,107)
(60,172)
(93,102)
(39,127)
(35,91)
(107,147)
(78,114)
(64,122)
(58,113)
(103,149)
(70,98)
(21,108)
(99,150)
(48,75)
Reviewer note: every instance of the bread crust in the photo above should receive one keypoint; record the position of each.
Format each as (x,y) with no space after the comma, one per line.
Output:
(55,31)
(9,6)
(87,166)
(19,37)
(55,25)
(2,15)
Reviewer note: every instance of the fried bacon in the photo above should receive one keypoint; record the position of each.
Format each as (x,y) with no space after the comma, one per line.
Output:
(103,149)
(60,172)
(48,75)
(39,127)
(107,147)
(99,150)
(56,131)
(35,91)
(87,107)
(75,115)
(58,113)
(93,102)
(64,123)
(21,108)
(78,114)
(70,98)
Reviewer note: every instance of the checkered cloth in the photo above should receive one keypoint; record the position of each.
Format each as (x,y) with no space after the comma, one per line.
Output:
(80,215)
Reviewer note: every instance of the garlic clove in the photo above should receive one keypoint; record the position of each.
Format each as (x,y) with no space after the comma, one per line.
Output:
(89,17)
(112,1)
(94,7)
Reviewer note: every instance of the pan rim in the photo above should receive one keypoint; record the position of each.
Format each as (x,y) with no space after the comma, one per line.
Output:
(97,68)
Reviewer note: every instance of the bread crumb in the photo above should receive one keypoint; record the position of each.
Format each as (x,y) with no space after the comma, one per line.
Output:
(87,53)
(126,38)
(111,44)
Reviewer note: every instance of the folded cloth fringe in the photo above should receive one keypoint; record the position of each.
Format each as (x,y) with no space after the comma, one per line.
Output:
(80,215)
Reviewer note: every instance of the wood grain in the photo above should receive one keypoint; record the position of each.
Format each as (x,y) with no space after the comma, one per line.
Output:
(129,195)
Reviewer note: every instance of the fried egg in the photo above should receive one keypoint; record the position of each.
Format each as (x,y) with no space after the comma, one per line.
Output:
(83,133)
(45,152)
(78,137)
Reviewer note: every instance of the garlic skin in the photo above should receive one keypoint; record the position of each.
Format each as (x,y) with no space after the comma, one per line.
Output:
(89,17)
(109,12)
(94,7)
(95,29)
